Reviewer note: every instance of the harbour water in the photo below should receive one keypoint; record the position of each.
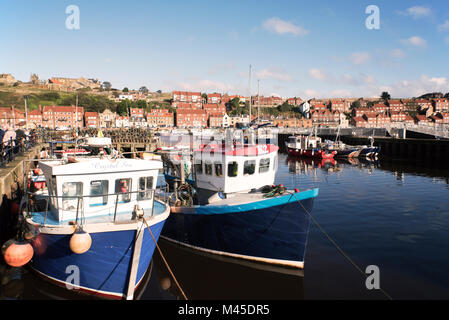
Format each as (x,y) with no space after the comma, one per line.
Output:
(390,214)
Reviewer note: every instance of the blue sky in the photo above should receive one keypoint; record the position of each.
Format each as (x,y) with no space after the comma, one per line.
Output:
(297,48)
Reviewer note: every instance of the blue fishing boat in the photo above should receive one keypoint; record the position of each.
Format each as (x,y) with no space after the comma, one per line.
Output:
(233,210)
(96,228)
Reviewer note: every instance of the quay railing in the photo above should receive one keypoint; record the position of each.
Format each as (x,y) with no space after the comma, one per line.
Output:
(12,148)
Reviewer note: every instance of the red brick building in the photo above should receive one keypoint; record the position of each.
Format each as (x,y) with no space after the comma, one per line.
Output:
(136,112)
(186,96)
(91,119)
(359,122)
(214,98)
(214,108)
(35,118)
(160,118)
(441,105)
(191,118)
(187,105)
(62,116)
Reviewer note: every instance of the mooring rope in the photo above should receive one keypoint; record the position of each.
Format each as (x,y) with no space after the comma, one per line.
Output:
(165,261)
(336,245)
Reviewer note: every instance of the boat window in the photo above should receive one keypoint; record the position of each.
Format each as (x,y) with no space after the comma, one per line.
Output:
(123,186)
(219,169)
(71,190)
(99,188)
(264,165)
(208,168)
(146,185)
(199,167)
(233,169)
(249,167)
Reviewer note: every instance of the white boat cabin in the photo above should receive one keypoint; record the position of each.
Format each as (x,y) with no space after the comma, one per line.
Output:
(235,169)
(93,187)
(303,142)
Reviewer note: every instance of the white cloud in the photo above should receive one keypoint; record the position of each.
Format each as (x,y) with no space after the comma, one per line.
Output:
(444,26)
(360,57)
(368,79)
(417,12)
(276,25)
(415,41)
(340,93)
(310,93)
(205,86)
(318,74)
(397,53)
(274,74)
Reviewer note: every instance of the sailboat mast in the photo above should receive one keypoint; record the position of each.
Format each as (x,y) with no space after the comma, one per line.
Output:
(258,101)
(250,99)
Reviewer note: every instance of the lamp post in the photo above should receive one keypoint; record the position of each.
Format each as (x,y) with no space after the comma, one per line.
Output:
(26,97)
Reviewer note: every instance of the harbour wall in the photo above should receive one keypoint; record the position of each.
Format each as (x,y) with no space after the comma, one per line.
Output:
(393,148)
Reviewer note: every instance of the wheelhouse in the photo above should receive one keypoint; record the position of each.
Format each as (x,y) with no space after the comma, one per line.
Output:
(235,169)
(92,187)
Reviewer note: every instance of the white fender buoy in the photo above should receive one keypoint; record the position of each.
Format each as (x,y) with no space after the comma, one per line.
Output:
(17,254)
(80,242)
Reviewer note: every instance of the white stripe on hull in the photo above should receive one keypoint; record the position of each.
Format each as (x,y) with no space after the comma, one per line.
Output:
(279,262)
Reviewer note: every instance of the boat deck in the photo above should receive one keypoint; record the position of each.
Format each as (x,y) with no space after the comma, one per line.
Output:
(48,219)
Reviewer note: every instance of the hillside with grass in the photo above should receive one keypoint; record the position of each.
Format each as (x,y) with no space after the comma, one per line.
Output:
(89,100)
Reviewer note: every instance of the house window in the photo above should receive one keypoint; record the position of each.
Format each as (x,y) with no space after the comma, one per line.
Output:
(123,187)
(208,168)
(100,189)
(146,185)
(219,169)
(249,167)
(264,165)
(233,169)
(70,193)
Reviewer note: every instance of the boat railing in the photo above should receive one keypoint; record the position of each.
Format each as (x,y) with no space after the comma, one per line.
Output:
(149,195)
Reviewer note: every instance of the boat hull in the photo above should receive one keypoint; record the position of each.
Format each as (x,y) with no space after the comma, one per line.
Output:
(317,154)
(347,153)
(104,269)
(369,152)
(267,233)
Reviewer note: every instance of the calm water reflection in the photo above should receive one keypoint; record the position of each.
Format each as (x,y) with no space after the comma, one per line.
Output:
(394,215)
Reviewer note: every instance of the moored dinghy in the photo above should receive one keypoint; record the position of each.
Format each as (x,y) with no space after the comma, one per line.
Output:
(92,225)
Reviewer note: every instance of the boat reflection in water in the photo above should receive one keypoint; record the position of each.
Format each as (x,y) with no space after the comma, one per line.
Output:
(203,277)
(304,165)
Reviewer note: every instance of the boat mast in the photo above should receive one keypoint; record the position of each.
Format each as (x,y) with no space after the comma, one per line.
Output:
(258,101)
(250,99)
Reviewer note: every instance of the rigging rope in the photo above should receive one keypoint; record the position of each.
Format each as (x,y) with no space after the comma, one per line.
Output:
(165,261)
(336,245)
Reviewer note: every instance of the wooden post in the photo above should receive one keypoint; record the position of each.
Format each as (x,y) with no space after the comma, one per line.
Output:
(135,260)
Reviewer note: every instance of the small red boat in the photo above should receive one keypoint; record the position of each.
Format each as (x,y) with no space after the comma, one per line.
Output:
(307,146)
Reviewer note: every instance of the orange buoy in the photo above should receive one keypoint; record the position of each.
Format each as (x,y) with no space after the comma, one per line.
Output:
(80,242)
(17,254)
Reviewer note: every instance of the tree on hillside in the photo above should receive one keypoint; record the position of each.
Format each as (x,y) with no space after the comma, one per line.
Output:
(356,104)
(233,104)
(143,89)
(107,85)
(385,96)
(125,89)
(122,107)
(141,104)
